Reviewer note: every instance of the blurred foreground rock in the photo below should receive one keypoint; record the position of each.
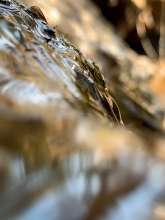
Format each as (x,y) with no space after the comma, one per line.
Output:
(64,152)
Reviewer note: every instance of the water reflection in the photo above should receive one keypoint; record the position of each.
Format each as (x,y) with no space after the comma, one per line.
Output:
(77,186)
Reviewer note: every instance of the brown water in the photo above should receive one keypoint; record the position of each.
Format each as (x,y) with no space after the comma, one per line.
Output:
(60,155)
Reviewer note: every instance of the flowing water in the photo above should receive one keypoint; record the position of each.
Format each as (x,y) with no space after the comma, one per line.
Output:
(57,158)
